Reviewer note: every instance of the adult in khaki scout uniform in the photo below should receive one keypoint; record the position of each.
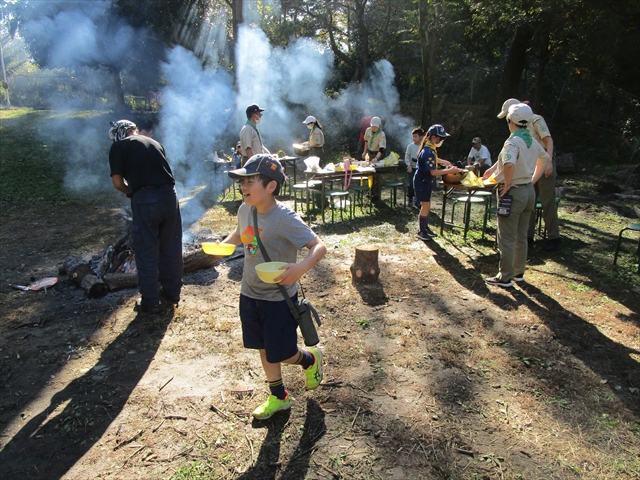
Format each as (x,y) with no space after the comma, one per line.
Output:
(250,138)
(520,164)
(546,186)
(316,138)
(375,144)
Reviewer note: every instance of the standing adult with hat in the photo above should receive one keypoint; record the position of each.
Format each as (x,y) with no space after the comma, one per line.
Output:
(375,144)
(139,169)
(316,137)
(520,164)
(546,186)
(250,138)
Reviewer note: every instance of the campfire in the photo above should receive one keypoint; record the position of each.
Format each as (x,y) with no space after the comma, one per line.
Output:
(116,268)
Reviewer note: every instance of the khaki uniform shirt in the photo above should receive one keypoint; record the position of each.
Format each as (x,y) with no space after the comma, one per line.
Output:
(316,138)
(249,138)
(524,158)
(375,142)
(538,128)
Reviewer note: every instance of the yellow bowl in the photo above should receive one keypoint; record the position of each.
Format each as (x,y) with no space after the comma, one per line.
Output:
(220,249)
(268,271)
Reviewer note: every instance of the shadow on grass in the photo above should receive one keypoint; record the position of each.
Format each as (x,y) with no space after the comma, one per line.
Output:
(49,444)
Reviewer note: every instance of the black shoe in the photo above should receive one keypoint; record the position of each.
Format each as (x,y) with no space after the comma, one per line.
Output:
(424,236)
(168,298)
(148,309)
(431,232)
(552,245)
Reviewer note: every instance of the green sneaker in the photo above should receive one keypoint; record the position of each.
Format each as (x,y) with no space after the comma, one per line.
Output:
(272,406)
(314,372)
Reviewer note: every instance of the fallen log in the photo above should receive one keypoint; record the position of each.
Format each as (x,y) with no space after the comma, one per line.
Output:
(116,281)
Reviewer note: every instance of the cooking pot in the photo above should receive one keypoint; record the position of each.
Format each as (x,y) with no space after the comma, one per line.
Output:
(301,149)
(453,177)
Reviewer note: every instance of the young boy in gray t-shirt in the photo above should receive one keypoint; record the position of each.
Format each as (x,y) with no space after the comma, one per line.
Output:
(267,322)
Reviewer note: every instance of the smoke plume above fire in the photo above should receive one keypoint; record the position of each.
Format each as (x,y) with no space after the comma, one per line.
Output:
(203,110)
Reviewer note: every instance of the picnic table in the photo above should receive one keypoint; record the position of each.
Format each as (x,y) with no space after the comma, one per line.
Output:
(326,176)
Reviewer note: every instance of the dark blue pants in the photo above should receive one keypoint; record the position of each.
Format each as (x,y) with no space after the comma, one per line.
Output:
(157,241)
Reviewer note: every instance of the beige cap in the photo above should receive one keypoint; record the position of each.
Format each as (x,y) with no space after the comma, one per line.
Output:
(376,122)
(520,114)
(309,119)
(506,105)
(476,140)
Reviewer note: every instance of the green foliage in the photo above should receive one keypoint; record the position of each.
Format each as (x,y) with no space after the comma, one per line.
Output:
(30,171)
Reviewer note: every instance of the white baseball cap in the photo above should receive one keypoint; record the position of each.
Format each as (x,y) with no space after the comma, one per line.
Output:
(520,114)
(506,105)
(376,122)
(309,119)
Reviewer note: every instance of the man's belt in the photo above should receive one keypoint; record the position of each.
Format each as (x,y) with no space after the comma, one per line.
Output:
(151,187)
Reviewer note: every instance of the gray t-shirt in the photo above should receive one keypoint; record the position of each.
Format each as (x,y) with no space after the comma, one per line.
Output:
(283,233)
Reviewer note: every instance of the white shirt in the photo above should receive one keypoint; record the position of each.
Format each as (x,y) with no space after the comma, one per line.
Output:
(478,155)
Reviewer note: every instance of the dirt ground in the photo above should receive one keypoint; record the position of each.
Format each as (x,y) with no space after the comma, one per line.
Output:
(428,374)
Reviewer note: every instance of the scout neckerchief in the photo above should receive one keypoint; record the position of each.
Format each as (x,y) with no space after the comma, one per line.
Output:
(432,147)
(311,133)
(373,134)
(524,134)
(257,131)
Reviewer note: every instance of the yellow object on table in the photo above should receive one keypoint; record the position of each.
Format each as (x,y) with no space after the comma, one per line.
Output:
(472,180)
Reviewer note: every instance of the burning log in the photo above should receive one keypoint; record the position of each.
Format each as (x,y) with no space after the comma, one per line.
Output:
(116,268)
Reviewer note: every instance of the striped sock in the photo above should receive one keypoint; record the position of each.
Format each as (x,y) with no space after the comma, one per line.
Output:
(306,359)
(278,389)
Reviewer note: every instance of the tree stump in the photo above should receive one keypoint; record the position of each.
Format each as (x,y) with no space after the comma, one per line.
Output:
(365,267)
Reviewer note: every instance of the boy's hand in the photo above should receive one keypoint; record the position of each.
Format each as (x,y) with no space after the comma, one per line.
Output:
(292,272)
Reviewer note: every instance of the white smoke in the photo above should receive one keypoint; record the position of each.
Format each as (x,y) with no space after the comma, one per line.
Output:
(198,103)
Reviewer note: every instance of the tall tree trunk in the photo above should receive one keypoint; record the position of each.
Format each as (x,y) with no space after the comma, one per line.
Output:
(363,34)
(236,20)
(426,48)
(514,66)
(545,55)
(121,107)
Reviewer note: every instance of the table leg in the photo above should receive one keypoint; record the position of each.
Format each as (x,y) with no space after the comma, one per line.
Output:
(445,194)
(322,189)
(467,215)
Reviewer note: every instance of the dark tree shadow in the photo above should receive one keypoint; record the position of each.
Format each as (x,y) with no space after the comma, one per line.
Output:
(77,417)
(593,348)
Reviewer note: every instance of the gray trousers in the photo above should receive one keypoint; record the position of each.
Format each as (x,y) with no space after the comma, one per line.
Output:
(512,232)
(546,191)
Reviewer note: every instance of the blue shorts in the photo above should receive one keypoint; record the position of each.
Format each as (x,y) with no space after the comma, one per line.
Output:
(422,187)
(269,326)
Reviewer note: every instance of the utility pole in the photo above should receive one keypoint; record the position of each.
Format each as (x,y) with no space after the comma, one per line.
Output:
(5,85)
